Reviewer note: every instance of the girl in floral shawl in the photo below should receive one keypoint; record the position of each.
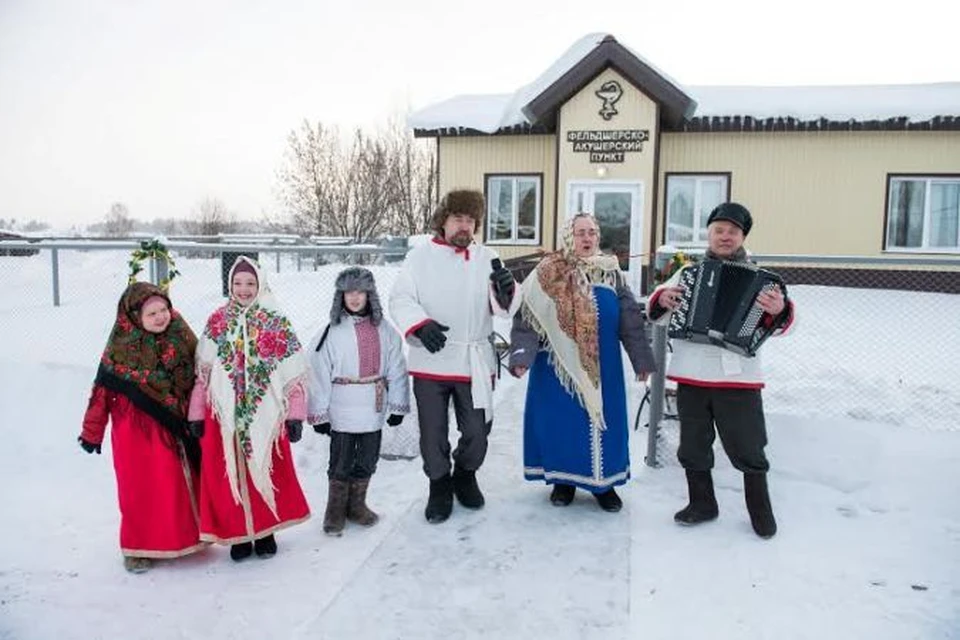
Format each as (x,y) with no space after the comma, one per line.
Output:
(143,388)
(247,407)
(577,310)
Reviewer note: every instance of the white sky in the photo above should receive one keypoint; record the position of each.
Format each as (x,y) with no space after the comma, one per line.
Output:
(160,105)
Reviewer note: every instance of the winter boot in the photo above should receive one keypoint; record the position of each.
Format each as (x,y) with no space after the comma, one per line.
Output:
(609,500)
(562,495)
(758,504)
(440,502)
(137,565)
(335,517)
(357,509)
(265,547)
(241,551)
(466,488)
(703,502)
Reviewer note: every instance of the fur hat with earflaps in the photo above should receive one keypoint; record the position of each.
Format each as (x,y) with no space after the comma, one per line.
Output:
(467,202)
(356,279)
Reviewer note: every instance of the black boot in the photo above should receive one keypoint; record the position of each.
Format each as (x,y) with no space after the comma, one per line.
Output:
(357,509)
(703,502)
(265,547)
(466,488)
(241,551)
(335,517)
(562,495)
(609,500)
(758,504)
(440,503)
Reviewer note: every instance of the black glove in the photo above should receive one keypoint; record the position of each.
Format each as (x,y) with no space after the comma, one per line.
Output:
(394,419)
(294,430)
(196,428)
(89,447)
(323,428)
(431,335)
(503,286)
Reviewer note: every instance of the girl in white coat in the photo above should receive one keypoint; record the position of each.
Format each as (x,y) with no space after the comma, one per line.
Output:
(358,379)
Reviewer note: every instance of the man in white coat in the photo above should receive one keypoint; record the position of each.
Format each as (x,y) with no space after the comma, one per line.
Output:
(443,302)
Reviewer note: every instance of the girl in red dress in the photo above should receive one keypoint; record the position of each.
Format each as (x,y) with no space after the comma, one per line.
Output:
(143,388)
(248,405)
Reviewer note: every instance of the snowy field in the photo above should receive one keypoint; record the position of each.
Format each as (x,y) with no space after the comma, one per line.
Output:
(863,411)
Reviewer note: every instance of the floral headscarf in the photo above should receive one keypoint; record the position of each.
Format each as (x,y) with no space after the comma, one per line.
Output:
(154,370)
(250,358)
(559,305)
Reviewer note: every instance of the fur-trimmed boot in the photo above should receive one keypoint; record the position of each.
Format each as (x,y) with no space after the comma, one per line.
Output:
(703,502)
(335,517)
(440,502)
(357,509)
(758,504)
(466,489)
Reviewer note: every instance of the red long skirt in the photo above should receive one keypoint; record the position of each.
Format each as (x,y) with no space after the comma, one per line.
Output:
(225,521)
(156,489)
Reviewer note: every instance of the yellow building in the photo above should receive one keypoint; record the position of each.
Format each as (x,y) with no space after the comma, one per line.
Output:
(860,171)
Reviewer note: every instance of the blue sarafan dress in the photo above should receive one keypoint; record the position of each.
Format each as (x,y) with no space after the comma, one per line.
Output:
(576,315)
(559,442)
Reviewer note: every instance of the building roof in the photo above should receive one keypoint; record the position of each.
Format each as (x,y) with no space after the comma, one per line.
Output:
(533,107)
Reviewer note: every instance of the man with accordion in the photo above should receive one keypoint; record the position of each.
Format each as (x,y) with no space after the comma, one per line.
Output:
(720,312)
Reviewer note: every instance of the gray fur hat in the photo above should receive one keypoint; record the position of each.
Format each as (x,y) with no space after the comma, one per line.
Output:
(356,279)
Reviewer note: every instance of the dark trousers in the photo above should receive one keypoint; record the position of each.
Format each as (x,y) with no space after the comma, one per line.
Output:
(353,456)
(737,415)
(433,403)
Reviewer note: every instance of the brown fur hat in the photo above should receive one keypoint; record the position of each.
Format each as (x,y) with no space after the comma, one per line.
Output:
(459,201)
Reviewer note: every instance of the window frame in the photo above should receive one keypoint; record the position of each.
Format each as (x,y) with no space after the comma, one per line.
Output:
(515,178)
(928,179)
(696,175)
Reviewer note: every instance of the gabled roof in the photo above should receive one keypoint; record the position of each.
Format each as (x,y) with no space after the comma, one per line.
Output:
(675,104)
(532,108)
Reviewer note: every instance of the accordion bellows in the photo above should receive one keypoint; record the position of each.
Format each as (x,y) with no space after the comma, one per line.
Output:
(719,306)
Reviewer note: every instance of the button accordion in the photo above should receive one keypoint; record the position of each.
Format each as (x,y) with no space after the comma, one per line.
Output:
(719,305)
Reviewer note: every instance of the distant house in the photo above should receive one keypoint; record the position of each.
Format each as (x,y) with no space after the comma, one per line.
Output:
(865,171)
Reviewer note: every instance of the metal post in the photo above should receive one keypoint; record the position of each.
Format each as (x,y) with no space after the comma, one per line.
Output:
(299,255)
(160,270)
(55,264)
(656,393)
(152,271)
(278,262)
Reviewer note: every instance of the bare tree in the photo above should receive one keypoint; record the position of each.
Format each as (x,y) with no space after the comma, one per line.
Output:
(375,184)
(312,179)
(210,217)
(118,223)
(413,180)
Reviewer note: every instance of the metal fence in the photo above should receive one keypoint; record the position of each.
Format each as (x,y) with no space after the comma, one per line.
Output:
(870,343)
(875,341)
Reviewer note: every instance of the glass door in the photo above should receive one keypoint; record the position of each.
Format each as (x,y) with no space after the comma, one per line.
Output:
(618,207)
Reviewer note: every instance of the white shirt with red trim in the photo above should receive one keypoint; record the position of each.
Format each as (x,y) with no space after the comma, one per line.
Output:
(450,285)
(707,365)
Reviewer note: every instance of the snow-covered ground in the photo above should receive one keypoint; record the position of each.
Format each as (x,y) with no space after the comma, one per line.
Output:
(864,422)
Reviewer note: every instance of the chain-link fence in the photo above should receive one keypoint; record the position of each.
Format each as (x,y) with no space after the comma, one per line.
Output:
(872,342)
(60,302)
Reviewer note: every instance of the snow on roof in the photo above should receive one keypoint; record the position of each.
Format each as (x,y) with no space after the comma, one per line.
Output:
(490,113)
(918,102)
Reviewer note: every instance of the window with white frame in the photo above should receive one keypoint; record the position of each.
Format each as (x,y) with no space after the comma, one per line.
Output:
(513,209)
(924,214)
(690,199)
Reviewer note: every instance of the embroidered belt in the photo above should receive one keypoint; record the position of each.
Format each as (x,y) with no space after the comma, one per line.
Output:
(379,381)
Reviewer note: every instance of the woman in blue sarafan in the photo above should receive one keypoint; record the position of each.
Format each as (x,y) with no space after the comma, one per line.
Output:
(577,310)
